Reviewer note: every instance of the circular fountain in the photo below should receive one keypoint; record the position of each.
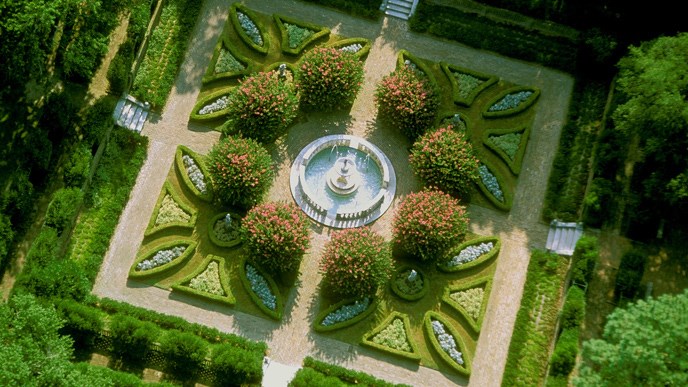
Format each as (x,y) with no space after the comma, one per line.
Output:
(342,181)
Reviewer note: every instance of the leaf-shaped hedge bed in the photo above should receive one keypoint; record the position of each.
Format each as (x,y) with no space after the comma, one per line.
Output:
(466,84)
(404,56)
(249,17)
(212,106)
(182,168)
(387,336)
(171,211)
(333,318)
(162,259)
(209,281)
(359,46)
(262,289)
(227,63)
(446,267)
(491,184)
(509,145)
(462,297)
(430,316)
(512,101)
(235,224)
(295,45)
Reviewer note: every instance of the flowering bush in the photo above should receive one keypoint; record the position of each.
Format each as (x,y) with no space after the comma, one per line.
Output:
(444,158)
(262,107)
(356,262)
(329,78)
(260,286)
(491,182)
(408,100)
(429,222)
(276,235)
(241,171)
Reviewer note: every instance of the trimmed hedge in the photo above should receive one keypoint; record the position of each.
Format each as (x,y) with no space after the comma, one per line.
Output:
(210,74)
(183,285)
(523,106)
(585,257)
(368,336)
(486,283)
(573,312)
(279,301)
(369,9)
(362,53)
(201,163)
(132,338)
(242,34)
(496,245)
(211,234)
(318,373)
(508,193)
(188,253)
(184,353)
(450,69)
(82,322)
(516,163)
(564,356)
(464,369)
(319,32)
(168,190)
(236,366)
(317,323)
(405,296)
(420,64)
(207,100)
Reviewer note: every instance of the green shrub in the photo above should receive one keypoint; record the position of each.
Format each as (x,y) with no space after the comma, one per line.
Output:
(318,373)
(56,279)
(120,67)
(6,237)
(241,171)
(93,375)
(184,353)
(574,308)
(328,79)
(408,100)
(17,199)
(263,107)
(233,365)
(82,322)
(44,249)
(97,121)
(356,262)
(78,166)
(64,208)
(585,257)
(132,339)
(443,158)
(276,236)
(630,274)
(81,60)
(429,222)
(564,356)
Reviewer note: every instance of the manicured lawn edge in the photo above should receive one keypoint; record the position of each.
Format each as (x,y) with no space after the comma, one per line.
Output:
(211,234)
(211,76)
(496,245)
(464,370)
(487,288)
(409,297)
(360,54)
(183,287)
(319,33)
(317,323)
(367,337)
(279,302)
(518,109)
(168,190)
(515,164)
(188,252)
(208,99)
(200,162)
(449,69)
(240,30)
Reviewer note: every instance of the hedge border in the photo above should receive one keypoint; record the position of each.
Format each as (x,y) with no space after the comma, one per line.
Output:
(240,30)
(317,323)
(508,193)
(190,249)
(404,54)
(511,112)
(319,32)
(367,337)
(229,299)
(201,102)
(344,374)
(515,164)
(449,69)
(410,297)
(210,75)
(464,370)
(360,54)
(279,302)
(211,234)
(467,134)
(497,245)
(168,190)
(200,162)
(487,288)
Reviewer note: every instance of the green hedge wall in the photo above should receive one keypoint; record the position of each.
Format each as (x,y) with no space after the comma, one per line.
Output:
(318,373)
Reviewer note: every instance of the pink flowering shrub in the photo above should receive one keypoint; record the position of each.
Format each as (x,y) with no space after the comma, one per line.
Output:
(429,222)
(407,100)
(444,159)
(328,79)
(276,236)
(356,262)
(262,107)
(241,171)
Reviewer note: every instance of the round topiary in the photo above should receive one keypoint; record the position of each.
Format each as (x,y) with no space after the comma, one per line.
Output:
(263,106)
(444,159)
(407,100)
(328,79)
(427,223)
(276,235)
(241,171)
(356,262)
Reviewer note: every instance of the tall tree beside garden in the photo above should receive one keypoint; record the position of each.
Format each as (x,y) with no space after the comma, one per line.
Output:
(643,345)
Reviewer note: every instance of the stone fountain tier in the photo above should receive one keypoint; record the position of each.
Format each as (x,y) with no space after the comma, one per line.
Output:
(344,178)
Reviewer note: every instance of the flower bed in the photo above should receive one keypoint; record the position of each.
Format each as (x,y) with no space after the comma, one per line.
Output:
(223,233)
(511,102)
(192,169)
(466,84)
(244,21)
(227,63)
(297,35)
(470,300)
(493,187)
(393,336)
(405,58)
(344,314)
(409,290)
(509,145)
(213,106)
(357,46)
(209,281)
(162,258)
(170,211)
(447,342)
(262,289)
(469,254)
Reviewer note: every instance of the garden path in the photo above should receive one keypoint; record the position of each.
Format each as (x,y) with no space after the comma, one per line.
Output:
(292,339)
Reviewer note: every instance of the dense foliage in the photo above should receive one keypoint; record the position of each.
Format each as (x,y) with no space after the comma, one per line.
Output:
(369,9)
(328,79)
(184,353)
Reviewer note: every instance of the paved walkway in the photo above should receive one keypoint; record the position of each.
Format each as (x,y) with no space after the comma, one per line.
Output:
(292,339)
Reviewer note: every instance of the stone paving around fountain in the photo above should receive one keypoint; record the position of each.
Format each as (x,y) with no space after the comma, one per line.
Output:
(293,339)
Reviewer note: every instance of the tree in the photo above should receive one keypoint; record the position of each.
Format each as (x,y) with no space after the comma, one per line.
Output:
(643,344)
(329,79)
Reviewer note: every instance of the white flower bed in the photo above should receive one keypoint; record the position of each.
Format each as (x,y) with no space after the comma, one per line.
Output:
(195,174)
(250,28)
(346,312)
(209,280)
(260,286)
(471,300)
(219,104)
(352,48)
(446,341)
(160,258)
(511,101)
(470,253)
(490,182)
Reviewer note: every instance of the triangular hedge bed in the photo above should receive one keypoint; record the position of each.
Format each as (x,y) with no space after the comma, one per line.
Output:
(369,337)
(467,100)
(317,32)
(420,65)
(225,44)
(485,283)
(167,190)
(185,286)
(516,162)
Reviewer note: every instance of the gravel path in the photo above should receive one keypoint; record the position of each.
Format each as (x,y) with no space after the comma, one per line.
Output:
(292,339)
